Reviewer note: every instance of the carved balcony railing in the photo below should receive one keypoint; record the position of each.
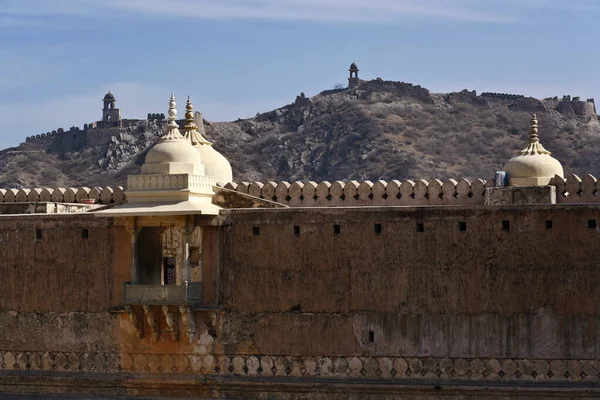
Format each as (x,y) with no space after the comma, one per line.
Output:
(162,294)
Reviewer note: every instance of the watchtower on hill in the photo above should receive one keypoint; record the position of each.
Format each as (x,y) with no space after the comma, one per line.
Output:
(353,79)
(111,116)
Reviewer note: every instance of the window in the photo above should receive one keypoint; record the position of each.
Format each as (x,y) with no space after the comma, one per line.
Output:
(371,337)
(378,229)
(506,225)
(592,224)
(256,231)
(169,270)
(548,224)
(336,229)
(296,230)
(194,256)
(84,233)
(38,234)
(420,227)
(462,226)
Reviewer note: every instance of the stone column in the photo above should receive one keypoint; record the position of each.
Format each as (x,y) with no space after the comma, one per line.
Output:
(185,239)
(133,233)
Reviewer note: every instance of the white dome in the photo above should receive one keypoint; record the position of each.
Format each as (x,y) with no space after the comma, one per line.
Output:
(533,166)
(532,169)
(173,150)
(215,163)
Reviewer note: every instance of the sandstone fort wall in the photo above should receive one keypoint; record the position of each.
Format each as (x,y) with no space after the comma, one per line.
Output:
(430,293)
(421,285)
(56,286)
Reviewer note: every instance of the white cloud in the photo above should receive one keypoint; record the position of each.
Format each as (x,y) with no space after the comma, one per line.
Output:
(314,10)
(488,11)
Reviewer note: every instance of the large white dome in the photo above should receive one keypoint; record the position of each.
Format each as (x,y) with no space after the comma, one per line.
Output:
(173,150)
(215,163)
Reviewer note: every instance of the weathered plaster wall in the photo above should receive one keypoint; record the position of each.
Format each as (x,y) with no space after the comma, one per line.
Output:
(294,310)
(56,283)
(49,265)
(486,292)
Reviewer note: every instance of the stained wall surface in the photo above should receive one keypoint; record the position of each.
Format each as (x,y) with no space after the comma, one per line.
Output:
(56,283)
(445,282)
(328,302)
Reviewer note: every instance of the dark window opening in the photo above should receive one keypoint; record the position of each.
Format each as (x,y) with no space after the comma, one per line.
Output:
(149,256)
(256,231)
(337,229)
(592,224)
(296,308)
(378,229)
(38,235)
(548,224)
(169,270)
(506,225)
(420,227)
(194,256)
(296,230)
(371,337)
(462,226)
(84,233)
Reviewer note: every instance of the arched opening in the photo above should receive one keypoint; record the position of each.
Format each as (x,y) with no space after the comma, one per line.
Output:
(149,256)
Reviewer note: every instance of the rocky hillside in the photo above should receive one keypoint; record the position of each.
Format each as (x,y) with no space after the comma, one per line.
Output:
(381,130)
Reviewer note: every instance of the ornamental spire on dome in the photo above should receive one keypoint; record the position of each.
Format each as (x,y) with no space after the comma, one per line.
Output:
(172,129)
(190,129)
(534,146)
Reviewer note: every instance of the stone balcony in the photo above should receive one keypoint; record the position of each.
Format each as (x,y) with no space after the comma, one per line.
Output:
(162,294)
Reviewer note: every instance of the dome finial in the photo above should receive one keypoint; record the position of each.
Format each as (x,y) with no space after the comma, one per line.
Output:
(190,129)
(189,114)
(534,146)
(533,131)
(172,110)
(172,129)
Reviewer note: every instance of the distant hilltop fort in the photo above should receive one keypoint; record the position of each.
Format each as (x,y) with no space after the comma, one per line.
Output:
(113,125)
(96,133)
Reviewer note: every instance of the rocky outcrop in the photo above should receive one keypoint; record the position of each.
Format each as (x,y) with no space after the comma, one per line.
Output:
(378,130)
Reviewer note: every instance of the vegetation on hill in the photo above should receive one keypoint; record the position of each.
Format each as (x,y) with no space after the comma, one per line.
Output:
(381,130)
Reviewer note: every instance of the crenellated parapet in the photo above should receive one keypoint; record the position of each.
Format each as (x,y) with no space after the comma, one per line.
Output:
(573,189)
(502,96)
(95,195)
(418,192)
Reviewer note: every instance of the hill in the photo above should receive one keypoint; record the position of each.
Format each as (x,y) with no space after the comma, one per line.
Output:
(379,130)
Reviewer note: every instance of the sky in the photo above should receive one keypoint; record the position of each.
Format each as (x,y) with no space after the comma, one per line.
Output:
(238,57)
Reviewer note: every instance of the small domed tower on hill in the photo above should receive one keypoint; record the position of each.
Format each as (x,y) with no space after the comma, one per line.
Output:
(111,116)
(353,79)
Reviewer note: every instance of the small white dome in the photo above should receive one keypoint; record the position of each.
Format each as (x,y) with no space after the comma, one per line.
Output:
(534,169)
(533,166)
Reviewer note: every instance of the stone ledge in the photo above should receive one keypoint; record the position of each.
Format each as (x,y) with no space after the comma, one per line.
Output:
(520,195)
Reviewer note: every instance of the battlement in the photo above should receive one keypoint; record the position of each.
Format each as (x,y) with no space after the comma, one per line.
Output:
(502,96)
(419,192)
(98,195)
(156,117)
(366,193)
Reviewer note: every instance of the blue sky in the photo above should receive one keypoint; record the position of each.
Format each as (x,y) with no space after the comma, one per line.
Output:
(239,57)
